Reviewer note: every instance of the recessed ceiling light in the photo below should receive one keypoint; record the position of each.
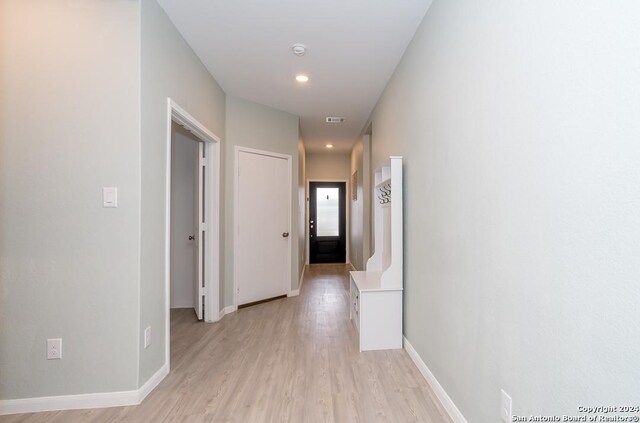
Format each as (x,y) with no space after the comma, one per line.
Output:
(302,78)
(329,146)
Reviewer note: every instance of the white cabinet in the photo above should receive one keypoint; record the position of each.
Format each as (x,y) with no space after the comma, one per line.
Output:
(376,293)
(376,312)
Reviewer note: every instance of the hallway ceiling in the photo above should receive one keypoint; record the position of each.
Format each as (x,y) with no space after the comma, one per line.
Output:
(353,48)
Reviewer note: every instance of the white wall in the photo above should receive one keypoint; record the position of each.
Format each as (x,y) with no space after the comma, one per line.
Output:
(69,125)
(256,126)
(302,205)
(184,194)
(518,123)
(169,68)
(360,210)
(328,166)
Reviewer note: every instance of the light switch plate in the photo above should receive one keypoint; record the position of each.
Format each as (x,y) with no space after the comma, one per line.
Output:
(147,336)
(109,197)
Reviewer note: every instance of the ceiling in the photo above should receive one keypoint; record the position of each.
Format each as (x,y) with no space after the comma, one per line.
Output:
(353,47)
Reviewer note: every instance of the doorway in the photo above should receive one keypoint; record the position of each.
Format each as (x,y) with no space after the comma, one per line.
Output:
(187,193)
(206,214)
(327,222)
(262,259)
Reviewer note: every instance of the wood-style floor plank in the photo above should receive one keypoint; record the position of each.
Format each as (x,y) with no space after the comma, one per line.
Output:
(289,360)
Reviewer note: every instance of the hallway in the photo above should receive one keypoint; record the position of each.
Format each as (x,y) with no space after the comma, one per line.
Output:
(290,360)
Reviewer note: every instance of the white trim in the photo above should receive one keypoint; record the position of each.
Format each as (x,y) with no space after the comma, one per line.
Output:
(301,281)
(347,217)
(83,401)
(152,383)
(236,210)
(177,114)
(442,395)
(239,148)
(296,292)
(228,310)
(181,116)
(139,342)
(352,266)
(68,402)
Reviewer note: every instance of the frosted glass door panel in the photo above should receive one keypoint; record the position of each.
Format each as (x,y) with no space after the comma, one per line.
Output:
(328,212)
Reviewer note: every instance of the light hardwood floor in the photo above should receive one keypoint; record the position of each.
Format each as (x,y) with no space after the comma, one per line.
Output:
(290,360)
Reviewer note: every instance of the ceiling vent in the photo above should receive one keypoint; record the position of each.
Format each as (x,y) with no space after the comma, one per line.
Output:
(333,119)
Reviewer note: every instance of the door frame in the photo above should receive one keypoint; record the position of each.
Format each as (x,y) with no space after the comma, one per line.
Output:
(347,210)
(211,143)
(236,210)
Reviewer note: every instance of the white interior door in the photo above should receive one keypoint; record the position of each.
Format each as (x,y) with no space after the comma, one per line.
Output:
(262,238)
(184,218)
(201,231)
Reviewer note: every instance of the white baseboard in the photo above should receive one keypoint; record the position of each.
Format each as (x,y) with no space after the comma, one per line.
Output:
(304,269)
(68,402)
(228,310)
(442,395)
(153,382)
(295,292)
(82,401)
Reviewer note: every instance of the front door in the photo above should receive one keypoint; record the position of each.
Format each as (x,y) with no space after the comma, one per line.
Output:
(262,238)
(327,225)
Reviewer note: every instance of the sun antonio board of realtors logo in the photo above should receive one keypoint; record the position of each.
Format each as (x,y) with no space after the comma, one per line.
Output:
(564,418)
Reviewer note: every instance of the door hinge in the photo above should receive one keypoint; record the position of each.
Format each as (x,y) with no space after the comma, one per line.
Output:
(203,161)
(203,226)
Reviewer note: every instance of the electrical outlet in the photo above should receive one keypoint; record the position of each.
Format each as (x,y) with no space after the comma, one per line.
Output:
(54,349)
(505,406)
(147,337)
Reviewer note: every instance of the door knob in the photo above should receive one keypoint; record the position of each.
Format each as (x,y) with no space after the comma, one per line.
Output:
(285,234)
(191,237)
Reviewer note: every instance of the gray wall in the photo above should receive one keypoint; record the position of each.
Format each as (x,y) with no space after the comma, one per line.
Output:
(169,69)
(328,166)
(184,194)
(360,211)
(302,205)
(256,126)
(69,114)
(97,117)
(518,122)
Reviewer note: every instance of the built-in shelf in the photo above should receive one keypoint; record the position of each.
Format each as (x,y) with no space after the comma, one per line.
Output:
(376,293)
(371,281)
